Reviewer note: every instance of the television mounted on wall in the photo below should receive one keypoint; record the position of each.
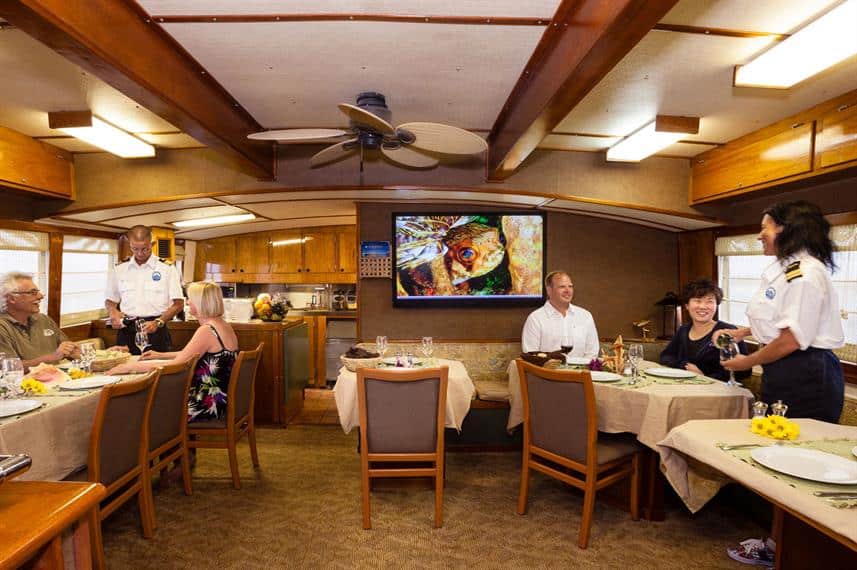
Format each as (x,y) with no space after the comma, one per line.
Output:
(466,259)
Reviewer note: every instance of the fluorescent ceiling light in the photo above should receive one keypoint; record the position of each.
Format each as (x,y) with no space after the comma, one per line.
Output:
(815,47)
(84,126)
(657,135)
(215,221)
(292,241)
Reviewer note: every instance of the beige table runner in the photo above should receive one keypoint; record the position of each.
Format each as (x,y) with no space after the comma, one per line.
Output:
(697,468)
(459,393)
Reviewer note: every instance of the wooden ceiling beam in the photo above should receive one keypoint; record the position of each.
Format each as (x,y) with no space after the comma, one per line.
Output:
(583,42)
(117,41)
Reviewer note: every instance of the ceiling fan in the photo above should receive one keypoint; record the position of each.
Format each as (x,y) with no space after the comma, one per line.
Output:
(416,145)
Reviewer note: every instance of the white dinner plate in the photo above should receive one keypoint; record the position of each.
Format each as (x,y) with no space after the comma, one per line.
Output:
(577,360)
(670,372)
(89,383)
(15,407)
(391,362)
(807,464)
(601,376)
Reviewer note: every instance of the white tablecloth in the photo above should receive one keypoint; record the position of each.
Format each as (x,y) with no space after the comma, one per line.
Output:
(652,411)
(696,483)
(459,393)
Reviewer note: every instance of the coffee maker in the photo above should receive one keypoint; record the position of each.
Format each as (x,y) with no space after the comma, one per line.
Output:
(340,302)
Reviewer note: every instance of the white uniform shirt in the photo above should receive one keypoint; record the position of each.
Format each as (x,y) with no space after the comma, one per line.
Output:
(144,290)
(807,305)
(546,329)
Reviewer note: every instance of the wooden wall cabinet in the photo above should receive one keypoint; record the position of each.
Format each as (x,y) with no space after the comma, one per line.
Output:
(308,255)
(821,141)
(34,166)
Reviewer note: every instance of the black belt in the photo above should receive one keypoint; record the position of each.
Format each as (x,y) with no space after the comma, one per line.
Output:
(130,321)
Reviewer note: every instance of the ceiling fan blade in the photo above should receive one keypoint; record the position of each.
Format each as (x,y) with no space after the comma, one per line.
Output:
(409,157)
(363,116)
(445,139)
(333,152)
(297,135)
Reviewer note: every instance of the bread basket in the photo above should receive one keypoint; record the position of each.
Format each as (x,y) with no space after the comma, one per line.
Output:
(352,364)
(104,364)
(546,359)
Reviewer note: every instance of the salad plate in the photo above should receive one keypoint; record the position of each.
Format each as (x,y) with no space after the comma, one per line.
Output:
(90,382)
(602,376)
(670,373)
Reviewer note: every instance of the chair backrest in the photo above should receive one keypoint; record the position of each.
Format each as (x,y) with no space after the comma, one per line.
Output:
(241,391)
(559,411)
(168,419)
(119,438)
(402,411)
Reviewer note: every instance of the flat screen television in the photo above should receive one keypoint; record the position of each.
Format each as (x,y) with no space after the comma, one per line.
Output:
(455,259)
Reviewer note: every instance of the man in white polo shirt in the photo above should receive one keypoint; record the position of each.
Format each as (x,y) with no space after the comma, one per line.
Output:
(143,292)
(558,323)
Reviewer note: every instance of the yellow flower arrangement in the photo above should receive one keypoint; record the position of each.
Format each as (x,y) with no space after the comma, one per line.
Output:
(776,427)
(33,386)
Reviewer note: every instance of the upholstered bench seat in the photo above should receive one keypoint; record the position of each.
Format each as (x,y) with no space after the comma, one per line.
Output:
(492,390)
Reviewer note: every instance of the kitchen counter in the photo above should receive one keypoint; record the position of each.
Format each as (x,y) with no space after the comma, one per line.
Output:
(329,313)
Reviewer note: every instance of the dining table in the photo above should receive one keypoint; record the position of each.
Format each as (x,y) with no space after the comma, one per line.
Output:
(55,435)
(459,393)
(815,511)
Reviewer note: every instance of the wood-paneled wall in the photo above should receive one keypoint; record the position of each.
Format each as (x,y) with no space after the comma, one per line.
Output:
(619,270)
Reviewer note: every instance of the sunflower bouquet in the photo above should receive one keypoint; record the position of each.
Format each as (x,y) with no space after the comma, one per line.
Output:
(776,427)
(32,386)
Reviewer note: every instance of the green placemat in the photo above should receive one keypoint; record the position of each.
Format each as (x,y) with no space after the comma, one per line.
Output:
(841,447)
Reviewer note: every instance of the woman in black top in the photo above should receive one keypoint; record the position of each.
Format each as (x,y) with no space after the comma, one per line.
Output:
(691,347)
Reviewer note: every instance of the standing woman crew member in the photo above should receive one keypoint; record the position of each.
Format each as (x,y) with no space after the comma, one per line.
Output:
(795,314)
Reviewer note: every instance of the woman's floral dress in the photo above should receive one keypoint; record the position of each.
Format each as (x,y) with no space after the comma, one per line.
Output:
(207,397)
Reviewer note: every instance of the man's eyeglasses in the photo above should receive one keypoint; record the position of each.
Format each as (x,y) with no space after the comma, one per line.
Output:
(141,249)
(32,292)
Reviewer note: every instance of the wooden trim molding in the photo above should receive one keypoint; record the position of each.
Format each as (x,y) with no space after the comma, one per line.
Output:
(55,276)
(66,230)
(718,32)
(351,17)
(585,40)
(118,42)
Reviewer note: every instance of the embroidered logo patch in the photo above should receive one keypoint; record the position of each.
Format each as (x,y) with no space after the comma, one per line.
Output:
(156,276)
(49,332)
(770,292)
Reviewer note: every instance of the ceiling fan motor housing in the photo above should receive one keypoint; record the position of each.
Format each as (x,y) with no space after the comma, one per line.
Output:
(376,104)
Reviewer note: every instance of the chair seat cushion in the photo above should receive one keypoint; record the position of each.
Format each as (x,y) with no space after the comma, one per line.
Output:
(207,424)
(615,445)
(490,390)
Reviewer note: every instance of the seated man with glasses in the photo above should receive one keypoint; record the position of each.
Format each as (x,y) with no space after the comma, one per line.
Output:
(143,293)
(24,331)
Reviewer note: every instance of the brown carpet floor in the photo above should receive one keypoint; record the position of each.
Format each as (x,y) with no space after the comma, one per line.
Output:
(301,509)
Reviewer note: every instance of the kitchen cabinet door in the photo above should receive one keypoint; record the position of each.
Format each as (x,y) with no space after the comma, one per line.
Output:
(347,250)
(319,252)
(286,251)
(220,256)
(252,254)
(836,142)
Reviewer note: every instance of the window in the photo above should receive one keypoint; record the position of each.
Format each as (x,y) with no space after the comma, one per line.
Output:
(86,264)
(740,264)
(26,252)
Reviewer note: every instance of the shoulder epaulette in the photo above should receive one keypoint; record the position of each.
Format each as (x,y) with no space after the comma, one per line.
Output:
(165,261)
(793,271)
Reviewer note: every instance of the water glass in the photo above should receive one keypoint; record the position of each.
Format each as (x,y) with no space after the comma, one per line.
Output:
(13,372)
(428,346)
(381,345)
(635,357)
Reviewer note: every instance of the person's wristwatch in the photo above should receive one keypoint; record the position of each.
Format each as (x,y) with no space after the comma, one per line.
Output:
(160,323)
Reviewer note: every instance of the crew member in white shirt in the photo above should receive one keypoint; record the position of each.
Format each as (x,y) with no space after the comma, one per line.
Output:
(795,315)
(144,291)
(558,323)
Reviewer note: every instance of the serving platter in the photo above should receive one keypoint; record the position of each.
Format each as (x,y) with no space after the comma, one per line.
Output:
(807,464)
(90,382)
(16,407)
(670,373)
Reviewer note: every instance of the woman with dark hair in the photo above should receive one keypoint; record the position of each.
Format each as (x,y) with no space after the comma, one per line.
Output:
(795,315)
(691,348)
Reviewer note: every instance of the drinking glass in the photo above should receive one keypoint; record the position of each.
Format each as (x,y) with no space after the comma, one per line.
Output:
(381,345)
(635,356)
(13,372)
(428,346)
(87,356)
(566,345)
(141,339)
(728,352)
(139,324)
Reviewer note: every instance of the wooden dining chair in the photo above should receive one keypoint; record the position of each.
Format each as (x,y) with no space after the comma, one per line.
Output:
(402,417)
(561,434)
(240,399)
(118,451)
(168,425)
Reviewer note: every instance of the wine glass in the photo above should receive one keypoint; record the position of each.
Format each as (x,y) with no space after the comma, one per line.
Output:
(141,339)
(381,345)
(728,352)
(428,346)
(635,356)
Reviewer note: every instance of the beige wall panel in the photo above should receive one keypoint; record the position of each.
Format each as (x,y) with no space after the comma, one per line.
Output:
(619,271)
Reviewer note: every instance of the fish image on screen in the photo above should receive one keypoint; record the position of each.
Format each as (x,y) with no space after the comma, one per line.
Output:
(472,259)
